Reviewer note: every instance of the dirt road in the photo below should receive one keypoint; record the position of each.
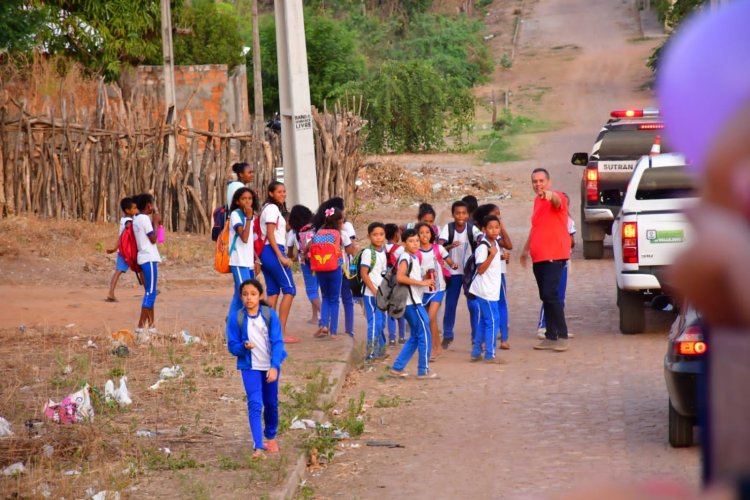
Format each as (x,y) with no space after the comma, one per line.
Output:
(546,422)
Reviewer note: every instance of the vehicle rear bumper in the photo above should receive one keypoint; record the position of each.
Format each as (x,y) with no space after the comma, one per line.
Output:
(598,215)
(634,281)
(682,385)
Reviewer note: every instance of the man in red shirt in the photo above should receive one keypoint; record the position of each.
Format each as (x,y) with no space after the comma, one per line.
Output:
(549,247)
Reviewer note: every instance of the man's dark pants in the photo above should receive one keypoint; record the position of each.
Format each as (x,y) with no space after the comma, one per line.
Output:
(548,274)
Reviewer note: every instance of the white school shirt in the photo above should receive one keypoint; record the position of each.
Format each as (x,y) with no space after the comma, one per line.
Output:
(349,230)
(271,214)
(461,253)
(232,188)
(243,254)
(430,262)
(147,251)
(257,333)
(487,284)
(378,269)
(416,274)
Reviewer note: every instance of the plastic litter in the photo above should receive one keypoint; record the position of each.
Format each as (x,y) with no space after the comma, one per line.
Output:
(67,370)
(123,336)
(106,495)
(228,399)
(14,469)
(48,450)
(145,433)
(121,394)
(301,424)
(166,451)
(74,408)
(339,434)
(70,325)
(34,426)
(72,472)
(91,344)
(167,373)
(5,428)
(189,339)
(121,351)
(22,328)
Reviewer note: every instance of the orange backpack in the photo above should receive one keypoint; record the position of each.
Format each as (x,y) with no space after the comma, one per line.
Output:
(223,249)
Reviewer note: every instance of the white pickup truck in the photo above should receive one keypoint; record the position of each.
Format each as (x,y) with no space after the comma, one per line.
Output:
(649,232)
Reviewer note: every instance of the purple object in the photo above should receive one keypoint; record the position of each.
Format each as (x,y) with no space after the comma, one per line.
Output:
(160,234)
(704,78)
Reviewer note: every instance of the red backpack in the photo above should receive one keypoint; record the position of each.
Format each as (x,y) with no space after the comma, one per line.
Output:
(127,247)
(258,240)
(439,258)
(391,255)
(325,250)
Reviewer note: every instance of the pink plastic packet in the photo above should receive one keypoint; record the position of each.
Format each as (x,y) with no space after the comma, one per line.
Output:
(160,234)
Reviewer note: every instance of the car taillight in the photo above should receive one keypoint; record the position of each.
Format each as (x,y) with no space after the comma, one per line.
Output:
(630,243)
(651,126)
(592,184)
(691,342)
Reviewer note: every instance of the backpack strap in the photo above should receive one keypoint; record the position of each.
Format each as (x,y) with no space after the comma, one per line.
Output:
(436,250)
(243,218)
(470,235)
(408,274)
(451,232)
(240,317)
(265,311)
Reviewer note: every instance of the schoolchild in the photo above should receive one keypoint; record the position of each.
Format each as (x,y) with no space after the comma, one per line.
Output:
(433,264)
(243,176)
(426,214)
(148,259)
(276,266)
(410,275)
(255,338)
(300,220)
(330,281)
(459,238)
(541,327)
(486,289)
(242,262)
(130,209)
(393,237)
(471,204)
(373,263)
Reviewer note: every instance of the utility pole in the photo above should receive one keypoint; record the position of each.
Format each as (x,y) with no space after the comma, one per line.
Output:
(169,90)
(298,150)
(259,123)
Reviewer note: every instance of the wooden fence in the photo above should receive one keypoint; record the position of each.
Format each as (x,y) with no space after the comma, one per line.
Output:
(62,165)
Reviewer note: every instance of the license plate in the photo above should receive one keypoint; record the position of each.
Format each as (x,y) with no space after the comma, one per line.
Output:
(616,166)
(665,235)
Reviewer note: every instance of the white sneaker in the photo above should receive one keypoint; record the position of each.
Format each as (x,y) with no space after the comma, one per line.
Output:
(141,337)
(540,333)
(153,331)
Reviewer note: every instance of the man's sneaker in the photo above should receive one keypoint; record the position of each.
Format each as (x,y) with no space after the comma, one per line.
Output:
(474,359)
(445,343)
(540,333)
(546,345)
(141,337)
(562,345)
(153,331)
(392,342)
(402,340)
(571,335)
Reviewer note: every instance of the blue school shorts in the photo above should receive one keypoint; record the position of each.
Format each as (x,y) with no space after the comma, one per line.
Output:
(121,265)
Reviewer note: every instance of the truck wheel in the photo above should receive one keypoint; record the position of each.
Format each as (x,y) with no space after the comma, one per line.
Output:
(680,429)
(632,312)
(593,249)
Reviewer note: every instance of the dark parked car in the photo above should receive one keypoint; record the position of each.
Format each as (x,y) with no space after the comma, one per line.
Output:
(683,368)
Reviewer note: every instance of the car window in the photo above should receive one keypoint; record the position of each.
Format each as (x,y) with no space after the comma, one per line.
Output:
(665,183)
(628,143)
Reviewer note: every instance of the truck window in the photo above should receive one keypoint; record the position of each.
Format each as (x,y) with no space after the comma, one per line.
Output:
(628,143)
(665,183)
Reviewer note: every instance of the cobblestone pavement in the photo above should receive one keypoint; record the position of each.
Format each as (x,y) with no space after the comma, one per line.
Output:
(547,421)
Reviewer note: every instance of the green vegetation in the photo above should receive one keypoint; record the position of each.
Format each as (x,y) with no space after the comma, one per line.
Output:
(506,140)
(159,460)
(392,402)
(672,13)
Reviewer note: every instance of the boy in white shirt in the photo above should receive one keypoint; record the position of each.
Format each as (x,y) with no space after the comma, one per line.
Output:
(130,210)
(148,259)
(372,267)
(486,289)
(459,238)
(420,339)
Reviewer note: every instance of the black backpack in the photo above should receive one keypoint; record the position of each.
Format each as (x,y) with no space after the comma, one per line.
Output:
(470,270)
(469,234)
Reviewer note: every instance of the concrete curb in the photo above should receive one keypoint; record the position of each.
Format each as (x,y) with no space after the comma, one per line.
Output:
(339,373)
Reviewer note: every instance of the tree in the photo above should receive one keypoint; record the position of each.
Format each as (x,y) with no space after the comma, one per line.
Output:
(209,34)
(20,22)
(672,14)
(410,106)
(333,58)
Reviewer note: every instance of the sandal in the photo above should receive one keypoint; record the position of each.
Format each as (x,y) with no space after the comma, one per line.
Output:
(272,446)
(288,339)
(258,454)
(505,346)
(428,376)
(110,299)
(397,374)
(321,333)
